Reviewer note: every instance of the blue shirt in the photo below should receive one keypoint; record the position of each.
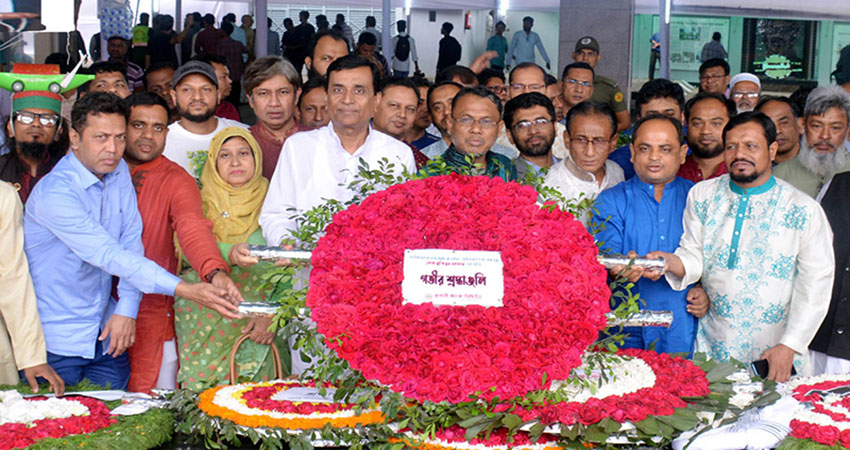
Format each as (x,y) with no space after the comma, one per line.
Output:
(426,140)
(522,47)
(623,157)
(79,231)
(637,222)
(499,45)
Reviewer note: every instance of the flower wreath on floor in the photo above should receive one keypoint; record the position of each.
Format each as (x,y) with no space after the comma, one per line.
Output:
(827,421)
(76,422)
(515,375)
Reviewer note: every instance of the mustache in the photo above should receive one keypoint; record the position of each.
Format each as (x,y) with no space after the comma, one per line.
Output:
(743,161)
(830,144)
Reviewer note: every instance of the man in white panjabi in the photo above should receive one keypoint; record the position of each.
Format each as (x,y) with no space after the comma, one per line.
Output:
(318,165)
(586,170)
(763,252)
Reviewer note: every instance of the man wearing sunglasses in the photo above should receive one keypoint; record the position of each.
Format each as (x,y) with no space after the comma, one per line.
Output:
(36,138)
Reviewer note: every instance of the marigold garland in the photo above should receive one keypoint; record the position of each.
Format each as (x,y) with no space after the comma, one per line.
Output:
(555,292)
(256,397)
(19,435)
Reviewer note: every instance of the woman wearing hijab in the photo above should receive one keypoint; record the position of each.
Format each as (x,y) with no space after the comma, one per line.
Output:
(232,195)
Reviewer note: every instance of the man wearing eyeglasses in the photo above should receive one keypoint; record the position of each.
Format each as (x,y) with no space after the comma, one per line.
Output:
(524,78)
(530,121)
(576,84)
(745,91)
(474,125)
(714,76)
(36,138)
(605,90)
(587,171)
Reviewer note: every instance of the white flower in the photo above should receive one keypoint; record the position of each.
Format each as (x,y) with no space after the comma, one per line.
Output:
(622,376)
(16,409)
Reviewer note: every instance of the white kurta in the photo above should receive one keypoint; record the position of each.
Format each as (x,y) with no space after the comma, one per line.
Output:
(572,182)
(765,258)
(313,168)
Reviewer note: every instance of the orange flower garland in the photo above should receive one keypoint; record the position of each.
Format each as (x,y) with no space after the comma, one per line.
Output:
(262,418)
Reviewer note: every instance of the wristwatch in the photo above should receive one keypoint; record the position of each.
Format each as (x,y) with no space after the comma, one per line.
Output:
(210,275)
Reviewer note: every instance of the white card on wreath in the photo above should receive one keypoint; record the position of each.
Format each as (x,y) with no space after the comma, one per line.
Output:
(305,395)
(453,277)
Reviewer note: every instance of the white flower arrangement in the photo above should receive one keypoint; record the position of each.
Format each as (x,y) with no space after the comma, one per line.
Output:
(623,376)
(16,409)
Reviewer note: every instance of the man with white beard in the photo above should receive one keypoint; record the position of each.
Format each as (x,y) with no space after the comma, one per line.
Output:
(823,149)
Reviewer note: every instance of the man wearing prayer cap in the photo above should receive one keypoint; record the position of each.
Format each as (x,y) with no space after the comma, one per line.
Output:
(745,91)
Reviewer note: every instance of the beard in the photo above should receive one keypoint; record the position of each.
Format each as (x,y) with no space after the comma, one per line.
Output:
(821,163)
(744,179)
(34,150)
(539,149)
(707,152)
(198,118)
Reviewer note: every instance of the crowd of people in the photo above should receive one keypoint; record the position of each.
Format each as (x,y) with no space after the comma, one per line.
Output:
(120,269)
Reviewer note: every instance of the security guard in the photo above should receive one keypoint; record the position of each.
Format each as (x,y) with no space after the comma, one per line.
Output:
(605,90)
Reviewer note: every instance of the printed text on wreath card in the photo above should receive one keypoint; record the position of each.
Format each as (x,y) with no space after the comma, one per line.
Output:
(453,277)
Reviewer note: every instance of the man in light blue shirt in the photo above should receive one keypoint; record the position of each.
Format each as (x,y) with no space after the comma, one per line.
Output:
(523,43)
(81,228)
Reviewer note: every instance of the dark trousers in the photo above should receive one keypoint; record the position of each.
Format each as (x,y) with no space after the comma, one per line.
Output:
(654,58)
(103,370)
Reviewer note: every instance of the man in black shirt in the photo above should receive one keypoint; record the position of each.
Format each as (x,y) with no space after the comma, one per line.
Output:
(301,40)
(449,53)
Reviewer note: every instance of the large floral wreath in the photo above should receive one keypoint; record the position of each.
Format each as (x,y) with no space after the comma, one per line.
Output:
(63,417)
(555,298)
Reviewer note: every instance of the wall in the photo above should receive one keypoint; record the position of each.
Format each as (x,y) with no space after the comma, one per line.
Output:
(547,25)
(611,23)
(825,58)
(474,40)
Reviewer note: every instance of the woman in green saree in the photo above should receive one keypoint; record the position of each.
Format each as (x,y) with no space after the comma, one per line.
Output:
(232,194)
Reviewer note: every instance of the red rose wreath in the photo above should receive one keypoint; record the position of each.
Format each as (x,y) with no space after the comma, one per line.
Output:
(555,298)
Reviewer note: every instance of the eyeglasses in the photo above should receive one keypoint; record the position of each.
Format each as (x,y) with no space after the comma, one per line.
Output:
(525,125)
(740,95)
(711,77)
(45,119)
(468,122)
(597,142)
(573,81)
(497,89)
(527,87)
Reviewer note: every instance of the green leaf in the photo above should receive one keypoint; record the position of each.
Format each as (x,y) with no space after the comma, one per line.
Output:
(512,421)
(648,426)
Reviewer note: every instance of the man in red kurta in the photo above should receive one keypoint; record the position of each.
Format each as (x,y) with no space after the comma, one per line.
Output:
(273,86)
(169,201)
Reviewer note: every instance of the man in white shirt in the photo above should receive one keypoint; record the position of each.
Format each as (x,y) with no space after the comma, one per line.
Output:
(402,55)
(196,96)
(305,179)
(586,171)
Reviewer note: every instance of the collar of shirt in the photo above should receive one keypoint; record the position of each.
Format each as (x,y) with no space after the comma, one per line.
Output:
(150,165)
(331,132)
(536,168)
(86,177)
(579,173)
(753,190)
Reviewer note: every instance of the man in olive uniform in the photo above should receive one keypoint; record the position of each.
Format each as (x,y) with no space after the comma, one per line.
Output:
(605,90)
